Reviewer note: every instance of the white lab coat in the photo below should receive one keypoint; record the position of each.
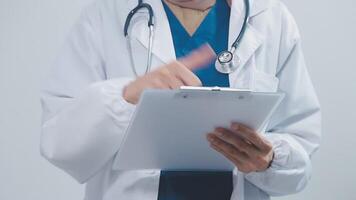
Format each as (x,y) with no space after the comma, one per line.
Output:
(85,116)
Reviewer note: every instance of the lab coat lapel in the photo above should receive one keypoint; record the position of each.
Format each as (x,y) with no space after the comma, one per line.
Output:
(162,42)
(251,40)
(163,47)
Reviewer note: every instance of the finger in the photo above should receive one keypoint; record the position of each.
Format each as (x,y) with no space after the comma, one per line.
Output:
(170,79)
(184,74)
(256,160)
(228,148)
(199,57)
(176,83)
(233,139)
(157,83)
(229,157)
(250,135)
(244,167)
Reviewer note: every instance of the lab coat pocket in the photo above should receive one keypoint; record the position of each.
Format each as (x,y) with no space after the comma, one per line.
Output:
(264,82)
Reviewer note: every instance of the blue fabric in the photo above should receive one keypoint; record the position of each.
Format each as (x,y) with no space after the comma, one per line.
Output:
(204,185)
(196,185)
(214,30)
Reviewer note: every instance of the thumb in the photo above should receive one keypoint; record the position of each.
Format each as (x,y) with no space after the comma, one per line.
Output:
(199,57)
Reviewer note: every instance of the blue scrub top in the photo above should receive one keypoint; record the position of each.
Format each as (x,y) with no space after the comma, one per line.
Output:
(214,30)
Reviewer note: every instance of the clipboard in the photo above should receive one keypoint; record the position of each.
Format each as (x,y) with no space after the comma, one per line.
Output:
(168,128)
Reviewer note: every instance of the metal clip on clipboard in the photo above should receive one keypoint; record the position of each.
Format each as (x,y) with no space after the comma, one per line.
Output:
(190,92)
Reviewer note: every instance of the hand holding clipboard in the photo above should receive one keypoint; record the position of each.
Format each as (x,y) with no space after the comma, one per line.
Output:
(243,146)
(169,128)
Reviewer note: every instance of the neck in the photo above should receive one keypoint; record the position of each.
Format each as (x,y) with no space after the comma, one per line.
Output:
(193,4)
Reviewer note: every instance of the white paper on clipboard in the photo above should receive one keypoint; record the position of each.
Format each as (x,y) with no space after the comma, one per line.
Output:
(168,129)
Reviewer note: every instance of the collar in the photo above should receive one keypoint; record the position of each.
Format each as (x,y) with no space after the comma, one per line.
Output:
(163,47)
(257,6)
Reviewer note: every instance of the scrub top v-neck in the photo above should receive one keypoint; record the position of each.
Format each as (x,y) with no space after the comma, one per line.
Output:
(193,185)
(214,30)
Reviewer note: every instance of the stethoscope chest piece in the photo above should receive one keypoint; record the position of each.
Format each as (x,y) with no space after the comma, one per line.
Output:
(227,62)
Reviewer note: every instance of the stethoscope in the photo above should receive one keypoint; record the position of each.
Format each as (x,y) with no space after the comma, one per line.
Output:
(226,62)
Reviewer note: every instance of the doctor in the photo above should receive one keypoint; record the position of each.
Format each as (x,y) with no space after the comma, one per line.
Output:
(91,92)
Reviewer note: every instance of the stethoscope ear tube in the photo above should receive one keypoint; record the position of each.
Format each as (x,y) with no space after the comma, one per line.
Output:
(134,11)
(244,26)
(227,62)
(150,24)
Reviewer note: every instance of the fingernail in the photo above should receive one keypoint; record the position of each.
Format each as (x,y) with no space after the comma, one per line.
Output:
(213,146)
(213,141)
(210,138)
(220,134)
(235,126)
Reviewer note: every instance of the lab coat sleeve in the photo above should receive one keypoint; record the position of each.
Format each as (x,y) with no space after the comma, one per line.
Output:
(295,128)
(84,115)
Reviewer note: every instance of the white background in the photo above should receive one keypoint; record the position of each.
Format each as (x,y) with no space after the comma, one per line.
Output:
(31,32)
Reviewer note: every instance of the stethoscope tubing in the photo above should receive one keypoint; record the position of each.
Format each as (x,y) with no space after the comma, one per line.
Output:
(236,43)
(151,25)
